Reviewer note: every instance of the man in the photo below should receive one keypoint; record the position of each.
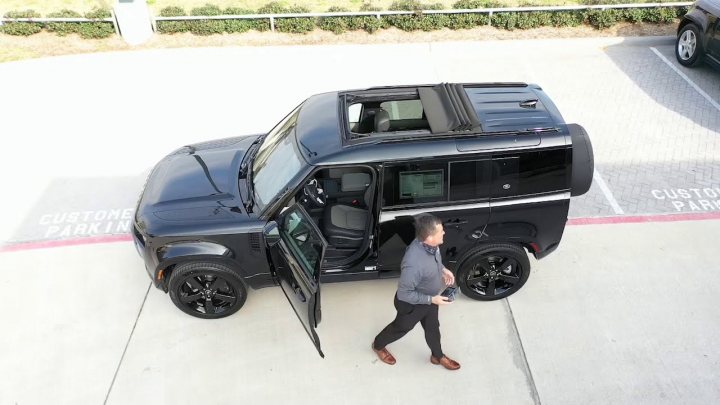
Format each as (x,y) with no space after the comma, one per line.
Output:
(418,297)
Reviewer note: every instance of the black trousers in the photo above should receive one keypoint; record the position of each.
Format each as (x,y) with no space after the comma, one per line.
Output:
(408,315)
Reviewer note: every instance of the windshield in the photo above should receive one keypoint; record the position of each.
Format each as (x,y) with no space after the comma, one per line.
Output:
(277,161)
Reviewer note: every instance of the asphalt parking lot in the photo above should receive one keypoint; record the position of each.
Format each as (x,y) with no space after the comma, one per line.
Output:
(624,312)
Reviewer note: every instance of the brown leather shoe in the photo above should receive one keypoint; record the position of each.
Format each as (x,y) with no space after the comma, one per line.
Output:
(384,355)
(446,362)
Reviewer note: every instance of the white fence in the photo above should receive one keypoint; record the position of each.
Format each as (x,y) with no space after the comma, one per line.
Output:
(376,14)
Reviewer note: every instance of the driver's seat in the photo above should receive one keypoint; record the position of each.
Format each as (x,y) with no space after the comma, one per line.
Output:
(344,225)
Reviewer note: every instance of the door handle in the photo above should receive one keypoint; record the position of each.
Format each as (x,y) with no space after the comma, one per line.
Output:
(455,222)
(298,292)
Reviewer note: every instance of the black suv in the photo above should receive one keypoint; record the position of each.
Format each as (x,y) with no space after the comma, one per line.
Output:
(698,35)
(329,194)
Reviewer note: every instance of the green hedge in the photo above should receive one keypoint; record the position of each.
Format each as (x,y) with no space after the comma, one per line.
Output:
(87,30)
(417,21)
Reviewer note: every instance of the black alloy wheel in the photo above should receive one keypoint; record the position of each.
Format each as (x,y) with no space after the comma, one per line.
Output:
(494,272)
(206,290)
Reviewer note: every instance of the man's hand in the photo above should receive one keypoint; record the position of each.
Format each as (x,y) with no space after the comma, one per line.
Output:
(448,277)
(440,300)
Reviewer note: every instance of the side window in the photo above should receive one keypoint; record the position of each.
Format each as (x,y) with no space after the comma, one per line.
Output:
(354,112)
(415,183)
(403,109)
(544,171)
(531,173)
(302,240)
(469,180)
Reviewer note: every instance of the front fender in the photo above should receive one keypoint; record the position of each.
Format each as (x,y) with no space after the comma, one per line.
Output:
(697,17)
(192,248)
(180,252)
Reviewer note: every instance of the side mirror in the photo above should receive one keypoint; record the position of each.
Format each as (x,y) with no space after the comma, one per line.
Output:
(271,233)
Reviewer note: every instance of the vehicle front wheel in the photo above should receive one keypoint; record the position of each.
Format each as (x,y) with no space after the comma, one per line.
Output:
(493,272)
(206,290)
(688,47)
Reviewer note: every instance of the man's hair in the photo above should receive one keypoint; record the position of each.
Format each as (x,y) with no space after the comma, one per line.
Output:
(425,225)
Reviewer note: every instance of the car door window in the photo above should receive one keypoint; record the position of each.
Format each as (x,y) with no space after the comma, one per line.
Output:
(469,180)
(304,242)
(415,183)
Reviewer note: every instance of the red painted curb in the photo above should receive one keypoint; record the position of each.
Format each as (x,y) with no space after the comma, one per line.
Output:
(91,240)
(627,219)
(632,219)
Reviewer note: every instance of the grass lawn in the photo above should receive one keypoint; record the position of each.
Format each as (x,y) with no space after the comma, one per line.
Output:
(47,6)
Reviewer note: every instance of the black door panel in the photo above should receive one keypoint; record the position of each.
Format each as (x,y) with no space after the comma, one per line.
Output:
(297,256)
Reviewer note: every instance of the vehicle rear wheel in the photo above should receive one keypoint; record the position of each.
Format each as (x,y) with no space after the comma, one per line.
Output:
(206,290)
(494,272)
(688,46)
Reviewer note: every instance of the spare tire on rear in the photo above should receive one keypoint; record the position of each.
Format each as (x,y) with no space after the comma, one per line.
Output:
(583,160)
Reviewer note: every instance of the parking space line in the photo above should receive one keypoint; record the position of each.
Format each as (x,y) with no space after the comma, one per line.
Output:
(112,383)
(687,79)
(608,194)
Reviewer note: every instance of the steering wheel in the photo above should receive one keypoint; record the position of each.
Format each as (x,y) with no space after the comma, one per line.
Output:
(315,194)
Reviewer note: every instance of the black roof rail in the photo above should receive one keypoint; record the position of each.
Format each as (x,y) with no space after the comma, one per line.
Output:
(456,135)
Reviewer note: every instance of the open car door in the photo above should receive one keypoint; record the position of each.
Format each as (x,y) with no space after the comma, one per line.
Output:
(297,248)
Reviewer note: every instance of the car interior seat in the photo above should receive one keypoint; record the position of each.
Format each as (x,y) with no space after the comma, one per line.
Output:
(345,225)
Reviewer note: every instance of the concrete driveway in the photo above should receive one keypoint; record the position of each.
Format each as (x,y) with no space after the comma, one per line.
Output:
(624,312)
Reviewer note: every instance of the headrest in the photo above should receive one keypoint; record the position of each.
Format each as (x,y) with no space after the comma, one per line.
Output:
(382,121)
(354,182)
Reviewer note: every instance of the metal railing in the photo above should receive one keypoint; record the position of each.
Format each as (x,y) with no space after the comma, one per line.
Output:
(376,14)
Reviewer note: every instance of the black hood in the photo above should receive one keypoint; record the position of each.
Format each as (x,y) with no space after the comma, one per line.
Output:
(196,183)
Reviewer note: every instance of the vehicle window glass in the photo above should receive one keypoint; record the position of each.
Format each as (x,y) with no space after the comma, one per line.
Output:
(468,180)
(544,171)
(424,184)
(277,161)
(354,113)
(303,240)
(531,173)
(403,109)
(412,183)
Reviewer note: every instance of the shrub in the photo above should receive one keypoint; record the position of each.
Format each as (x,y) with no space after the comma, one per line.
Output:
(98,13)
(337,25)
(96,30)
(470,4)
(660,15)
(417,21)
(634,15)
(533,20)
(21,28)
(294,25)
(63,28)
(22,14)
(208,9)
(567,18)
(507,21)
(273,8)
(466,21)
(602,19)
(244,25)
(206,27)
(172,11)
(172,27)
